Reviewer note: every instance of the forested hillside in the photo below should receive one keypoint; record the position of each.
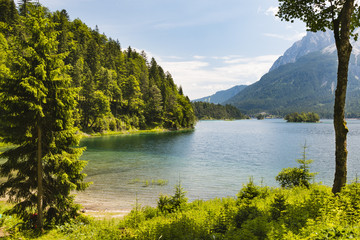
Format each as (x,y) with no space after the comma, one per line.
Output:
(206,111)
(116,89)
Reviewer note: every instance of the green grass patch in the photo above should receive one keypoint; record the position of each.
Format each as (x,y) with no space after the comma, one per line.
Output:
(255,213)
(151,182)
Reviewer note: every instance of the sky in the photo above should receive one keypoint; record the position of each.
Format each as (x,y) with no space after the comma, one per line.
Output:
(206,45)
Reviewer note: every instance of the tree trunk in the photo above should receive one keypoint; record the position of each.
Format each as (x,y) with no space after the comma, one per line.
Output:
(344,48)
(40,183)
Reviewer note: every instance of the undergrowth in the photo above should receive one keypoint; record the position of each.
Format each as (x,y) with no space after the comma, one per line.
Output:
(256,213)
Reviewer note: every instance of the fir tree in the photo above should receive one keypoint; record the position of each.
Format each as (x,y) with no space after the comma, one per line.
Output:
(37,105)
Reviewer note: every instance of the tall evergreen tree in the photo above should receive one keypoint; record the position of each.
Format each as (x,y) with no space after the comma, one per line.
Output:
(8,12)
(154,108)
(37,104)
(24,6)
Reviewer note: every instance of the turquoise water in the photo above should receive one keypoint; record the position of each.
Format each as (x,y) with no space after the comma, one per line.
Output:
(214,160)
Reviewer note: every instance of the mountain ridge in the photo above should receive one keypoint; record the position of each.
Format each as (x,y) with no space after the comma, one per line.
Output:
(222,96)
(303,79)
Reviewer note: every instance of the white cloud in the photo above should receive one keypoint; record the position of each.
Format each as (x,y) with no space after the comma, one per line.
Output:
(271,11)
(200,78)
(199,57)
(58,5)
(288,37)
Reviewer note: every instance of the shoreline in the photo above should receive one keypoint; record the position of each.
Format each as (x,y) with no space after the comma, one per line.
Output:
(132,132)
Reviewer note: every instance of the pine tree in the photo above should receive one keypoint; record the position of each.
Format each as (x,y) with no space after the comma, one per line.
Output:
(154,108)
(37,105)
(24,7)
(8,12)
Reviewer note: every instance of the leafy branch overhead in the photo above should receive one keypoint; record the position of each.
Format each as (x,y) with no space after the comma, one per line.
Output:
(318,15)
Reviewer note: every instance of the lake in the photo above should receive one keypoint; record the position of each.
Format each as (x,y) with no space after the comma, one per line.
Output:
(214,160)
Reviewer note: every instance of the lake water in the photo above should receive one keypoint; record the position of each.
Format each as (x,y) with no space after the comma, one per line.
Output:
(214,160)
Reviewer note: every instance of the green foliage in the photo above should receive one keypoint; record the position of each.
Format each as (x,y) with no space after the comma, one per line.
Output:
(173,203)
(204,111)
(302,117)
(278,207)
(249,191)
(111,83)
(260,116)
(8,12)
(316,14)
(296,213)
(37,103)
(343,18)
(297,176)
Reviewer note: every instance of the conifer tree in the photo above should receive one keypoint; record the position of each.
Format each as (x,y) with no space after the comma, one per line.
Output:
(8,12)
(154,108)
(24,7)
(37,105)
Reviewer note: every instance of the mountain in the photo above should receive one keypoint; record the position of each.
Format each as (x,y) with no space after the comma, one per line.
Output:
(303,79)
(221,96)
(312,42)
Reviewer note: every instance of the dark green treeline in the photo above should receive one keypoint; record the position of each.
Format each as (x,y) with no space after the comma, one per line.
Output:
(206,111)
(117,89)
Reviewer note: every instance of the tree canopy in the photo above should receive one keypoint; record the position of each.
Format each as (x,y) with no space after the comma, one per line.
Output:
(206,111)
(117,89)
(302,117)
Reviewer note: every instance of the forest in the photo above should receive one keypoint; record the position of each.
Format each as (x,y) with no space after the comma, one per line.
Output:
(116,89)
(57,78)
(208,111)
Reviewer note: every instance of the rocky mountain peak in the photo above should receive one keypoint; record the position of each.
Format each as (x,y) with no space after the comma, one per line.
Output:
(312,42)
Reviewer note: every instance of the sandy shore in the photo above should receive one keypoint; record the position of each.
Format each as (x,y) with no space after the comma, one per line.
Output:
(101,210)
(106,214)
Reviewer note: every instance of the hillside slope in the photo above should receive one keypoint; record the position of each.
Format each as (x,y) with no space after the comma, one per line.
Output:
(222,96)
(305,83)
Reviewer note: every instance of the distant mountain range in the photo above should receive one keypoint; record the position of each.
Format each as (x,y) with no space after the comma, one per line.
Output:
(303,79)
(222,96)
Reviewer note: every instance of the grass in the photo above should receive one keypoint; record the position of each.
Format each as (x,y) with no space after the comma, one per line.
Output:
(256,213)
(151,182)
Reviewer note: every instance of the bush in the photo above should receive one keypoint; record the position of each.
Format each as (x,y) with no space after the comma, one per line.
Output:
(291,177)
(246,212)
(249,191)
(297,176)
(174,203)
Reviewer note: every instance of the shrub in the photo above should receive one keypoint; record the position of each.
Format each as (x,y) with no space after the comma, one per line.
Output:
(249,191)
(297,176)
(176,202)
(246,212)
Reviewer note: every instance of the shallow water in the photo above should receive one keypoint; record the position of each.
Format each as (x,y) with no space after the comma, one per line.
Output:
(214,160)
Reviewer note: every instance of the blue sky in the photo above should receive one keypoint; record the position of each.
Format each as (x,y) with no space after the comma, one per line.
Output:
(206,45)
